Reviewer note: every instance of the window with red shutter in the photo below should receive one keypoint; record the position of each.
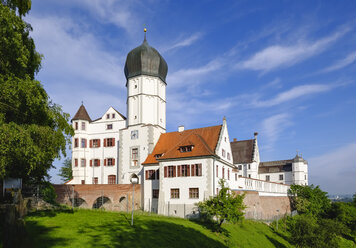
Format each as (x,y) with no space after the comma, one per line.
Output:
(188,170)
(76,162)
(113,161)
(104,142)
(165,171)
(180,170)
(146,172)
(91,143)
(105,162)
(91,162)
(76,143)
(174,171)
(193,170)
(111,179)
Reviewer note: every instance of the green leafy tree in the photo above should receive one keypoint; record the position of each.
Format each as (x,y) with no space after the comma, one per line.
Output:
(226,206)
(23,6)
(66,170)
(33,130)
(309,200)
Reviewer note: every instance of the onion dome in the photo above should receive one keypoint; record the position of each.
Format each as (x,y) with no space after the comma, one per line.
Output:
(145,60)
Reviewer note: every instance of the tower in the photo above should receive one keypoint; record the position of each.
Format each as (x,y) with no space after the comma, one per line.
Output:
(145,71)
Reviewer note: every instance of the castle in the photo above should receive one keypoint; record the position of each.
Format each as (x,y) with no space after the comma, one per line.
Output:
(175,169)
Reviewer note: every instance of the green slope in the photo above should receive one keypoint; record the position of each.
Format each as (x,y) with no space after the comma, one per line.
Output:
(88,228)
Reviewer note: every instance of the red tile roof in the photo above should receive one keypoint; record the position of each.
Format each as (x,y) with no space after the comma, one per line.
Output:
(203,140)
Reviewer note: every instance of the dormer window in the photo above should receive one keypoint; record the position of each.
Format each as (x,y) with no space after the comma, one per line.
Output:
(186,148)
(158,155)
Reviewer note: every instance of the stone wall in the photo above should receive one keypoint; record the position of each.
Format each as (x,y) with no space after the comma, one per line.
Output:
(262,207)
(115,197)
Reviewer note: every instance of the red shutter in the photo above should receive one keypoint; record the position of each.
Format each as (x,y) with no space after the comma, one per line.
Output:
(104,142)
(188,170)
(179,170)
(193,170)
(76,162)
(85,143)
(105,162)
(113,161)
(91,143)
(91,162)
(98,162)
(174,171)
(146,172)
(199,169)
(98,142)
(165,171)
(113,141)
(157,174)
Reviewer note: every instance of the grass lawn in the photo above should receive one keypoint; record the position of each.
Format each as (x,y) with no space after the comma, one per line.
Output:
(90,228)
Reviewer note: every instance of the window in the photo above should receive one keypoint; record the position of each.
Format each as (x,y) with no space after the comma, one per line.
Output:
(109,126)
(281,177)
(249,167)
(110,162)
(267,178)
(83,125)
(217,171)
(76,162)
(83,143)
(76,125)
(223,173)
(76,143)
(113,116)
(108,142)
(184,170)
(223,152)
(83,162)
(134,134)
(134,156)
(174,193)
(111,179)
(157,174)
(185,148)
(96,162)
(228,156)
(83,181)
(94,143)
(225,139)
(107,116)
(194,193)
(240,167)
(158,156)
(171,171)
(150,174)
(155,193)
(249,175)
(235,176)
(95,180)
(196,170)
(228,174)
(305,177)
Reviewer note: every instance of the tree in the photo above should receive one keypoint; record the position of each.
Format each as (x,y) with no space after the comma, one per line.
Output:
(23,6)
(226,206)
(66,170)
(33,130)
(309,200)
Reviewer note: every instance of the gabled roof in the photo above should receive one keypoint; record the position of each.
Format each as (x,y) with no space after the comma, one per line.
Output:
(204,141)
(242,151)
(82,114)
(275,166)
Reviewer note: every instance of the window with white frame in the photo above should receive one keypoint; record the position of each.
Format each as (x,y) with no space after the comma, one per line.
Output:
(134,156)
(83,125)
(83,162)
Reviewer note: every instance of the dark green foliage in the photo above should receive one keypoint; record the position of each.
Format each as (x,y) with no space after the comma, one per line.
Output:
(66,170)
(48,193)
(226,206)
(23,6)
(345,214)
(309,200)
(33,130)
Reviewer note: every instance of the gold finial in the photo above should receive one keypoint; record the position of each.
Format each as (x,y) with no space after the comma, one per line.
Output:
(145,30)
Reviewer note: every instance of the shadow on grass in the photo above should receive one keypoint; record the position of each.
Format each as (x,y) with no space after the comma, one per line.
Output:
(212,226)
(50,213)
(275,242)
(150,233)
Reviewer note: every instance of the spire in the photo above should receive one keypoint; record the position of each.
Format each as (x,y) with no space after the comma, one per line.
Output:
(81,114)
(144,30)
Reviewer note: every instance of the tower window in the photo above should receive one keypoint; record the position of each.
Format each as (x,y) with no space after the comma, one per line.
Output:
(83,125)
(76,125)
(83,162)
(83,143)
(134,156)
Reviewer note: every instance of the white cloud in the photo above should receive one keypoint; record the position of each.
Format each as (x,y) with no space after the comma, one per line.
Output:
(272,127)
(292,94)
(183,43)
(335,171)
(277,56)
(349,59)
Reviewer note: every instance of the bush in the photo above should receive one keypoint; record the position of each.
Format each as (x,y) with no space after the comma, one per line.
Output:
(48,193)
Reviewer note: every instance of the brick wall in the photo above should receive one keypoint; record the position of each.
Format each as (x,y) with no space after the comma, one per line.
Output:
(116,197)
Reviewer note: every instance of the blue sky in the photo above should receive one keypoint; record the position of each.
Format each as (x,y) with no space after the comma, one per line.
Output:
(285,69)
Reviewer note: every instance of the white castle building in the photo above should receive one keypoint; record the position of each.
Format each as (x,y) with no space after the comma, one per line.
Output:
(179,168)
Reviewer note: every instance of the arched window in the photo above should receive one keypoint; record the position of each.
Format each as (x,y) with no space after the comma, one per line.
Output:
(111,179)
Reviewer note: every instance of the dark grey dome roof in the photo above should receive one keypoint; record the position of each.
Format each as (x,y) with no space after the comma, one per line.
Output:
(145,60)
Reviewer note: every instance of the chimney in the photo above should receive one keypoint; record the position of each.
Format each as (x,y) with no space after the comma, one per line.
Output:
(235,139)
(181,128)
(255,134)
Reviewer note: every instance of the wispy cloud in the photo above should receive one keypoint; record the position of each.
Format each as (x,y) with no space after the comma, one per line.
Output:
(348,60)
(292,94)
(278,56)
(335,170)
(183,42)
(272,127)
